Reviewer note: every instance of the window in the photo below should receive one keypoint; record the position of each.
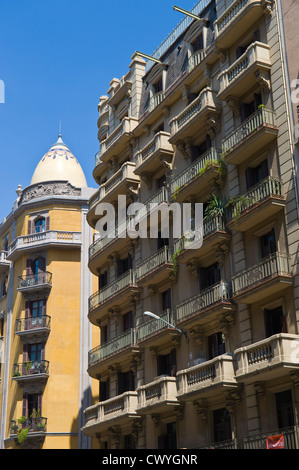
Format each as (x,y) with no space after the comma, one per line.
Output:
(275,322)
(257,174)
(161,182)
(103,280)
(284,409)
(4,287)
(268,244)
(124,265)
(35,266)
(34,352)
(162,241)
(128,321)
(104,390)
(158,86)
(40,225)
(216,345)
(209,276)
(166,300)
(166,364)
(129,441)
(104,334)
(222,425)
(198,150)
(247,109)
(168,440)
(126,382)
(32,405)
(35,312)
(197,45)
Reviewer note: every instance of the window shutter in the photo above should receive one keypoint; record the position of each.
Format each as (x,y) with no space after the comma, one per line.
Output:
(250,177)
(43,352)
(44,307)
(25,353)
(39,404)
(25,406)
(41,264)
(30,231)
(29,266)
(47,223)
(27,309)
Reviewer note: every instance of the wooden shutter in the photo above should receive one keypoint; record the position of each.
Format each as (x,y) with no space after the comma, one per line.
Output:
(25,353)
(47,223)
(27,308)
(41,264)
(30,227)
(39,403)
(250,177)
(25,405)
(29,267)
(42,356)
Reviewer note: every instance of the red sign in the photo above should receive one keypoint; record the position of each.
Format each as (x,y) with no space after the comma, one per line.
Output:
(275,442)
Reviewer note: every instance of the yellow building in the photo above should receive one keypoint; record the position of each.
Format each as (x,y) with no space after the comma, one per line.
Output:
(45,284)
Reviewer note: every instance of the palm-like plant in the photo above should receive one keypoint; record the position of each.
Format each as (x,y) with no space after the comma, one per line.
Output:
(215,207)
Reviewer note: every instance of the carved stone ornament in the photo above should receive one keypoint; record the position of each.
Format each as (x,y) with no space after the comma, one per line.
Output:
(55,188)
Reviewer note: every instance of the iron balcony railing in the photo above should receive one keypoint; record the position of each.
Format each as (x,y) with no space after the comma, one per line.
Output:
(29,368)
(289,440)
(262,117)
(127,339)
(163,256)
(209,225)
(269,187)
(206,298)
(154,326)
(34,425)
(33,323)
(120,231)
(212,156)
(276,264)
(126,280)
(35,280)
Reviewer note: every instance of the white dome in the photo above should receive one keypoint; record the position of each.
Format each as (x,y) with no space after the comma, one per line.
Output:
(59,164)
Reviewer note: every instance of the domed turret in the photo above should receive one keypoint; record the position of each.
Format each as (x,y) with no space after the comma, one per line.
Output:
(59,164)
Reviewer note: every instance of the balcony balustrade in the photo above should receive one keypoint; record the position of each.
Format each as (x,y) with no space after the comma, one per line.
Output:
(204,377)
(31,371)
(268,276)
(155,268)
(35,282)
(194,116)
(155,100)
(49,238)
(152,331)
(4,263)
(206,305)
(158,395)
(241,15)
(149,158)
(259,203)
(198,177)
(33,325)
(119,410)
(123,287)
(112,348)
(250,137)
(34,425)
(269,358)
(239,77)
(195,59)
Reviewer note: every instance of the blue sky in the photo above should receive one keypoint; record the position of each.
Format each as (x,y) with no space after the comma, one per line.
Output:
(56,60)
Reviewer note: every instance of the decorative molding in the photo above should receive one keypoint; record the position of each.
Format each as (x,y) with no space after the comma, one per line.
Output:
(55,188)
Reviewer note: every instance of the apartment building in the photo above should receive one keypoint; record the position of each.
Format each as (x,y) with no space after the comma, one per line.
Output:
(208,119)
(45,284)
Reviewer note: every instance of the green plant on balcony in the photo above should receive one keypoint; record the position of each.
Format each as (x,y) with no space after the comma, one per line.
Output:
(175,192)
(175,261)
(14,428)
(239,204)
(28,365)
(22,435)
(216,207)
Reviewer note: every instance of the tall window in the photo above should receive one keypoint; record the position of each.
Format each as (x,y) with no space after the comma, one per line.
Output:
(166,364)
(257,174)
(268,243)
(222,425)
(216,345)
(275,322)
(284,409)
(209,276)
(40,225)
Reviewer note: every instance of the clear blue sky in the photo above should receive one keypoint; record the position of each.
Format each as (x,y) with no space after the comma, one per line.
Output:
(56,60)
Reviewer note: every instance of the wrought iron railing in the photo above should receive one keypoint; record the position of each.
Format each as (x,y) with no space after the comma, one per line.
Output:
(29,368)
(276,264)
(35,280)
(210,225)
(33,323)
(163,256)
(154,326)
(99,353)
(262,117)
(35,425)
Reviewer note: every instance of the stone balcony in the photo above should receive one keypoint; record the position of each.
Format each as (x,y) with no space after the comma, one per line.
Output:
(149,159)
(262,201)
(253,65)
(270,358)
(158,396)
(119,292)
(207,378)
(241,15)
(118,349)
(195,116)
(198,178)
(42,240)
(255,133)
(268,276)
(4,262)
(205,306)
(119,410)
(117,140)
(35,283)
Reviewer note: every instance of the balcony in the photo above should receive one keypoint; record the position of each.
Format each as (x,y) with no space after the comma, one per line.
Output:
(33,326)
(158,149)
(212,233)
(207,378)
(114,411)
(155,268)
(31,372)
(198,178)
(151,333)
(116,185)
(262,201)
(256,132)
(195,59)
(155,100)
(194,117)
(48,239)
(4,263)
(249,67)
(206,306)
(101,356)
(267,277)
(35,428)
(268,359)
(41,282)
(157,396)
(116,142)
(238,18)
(118,292)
